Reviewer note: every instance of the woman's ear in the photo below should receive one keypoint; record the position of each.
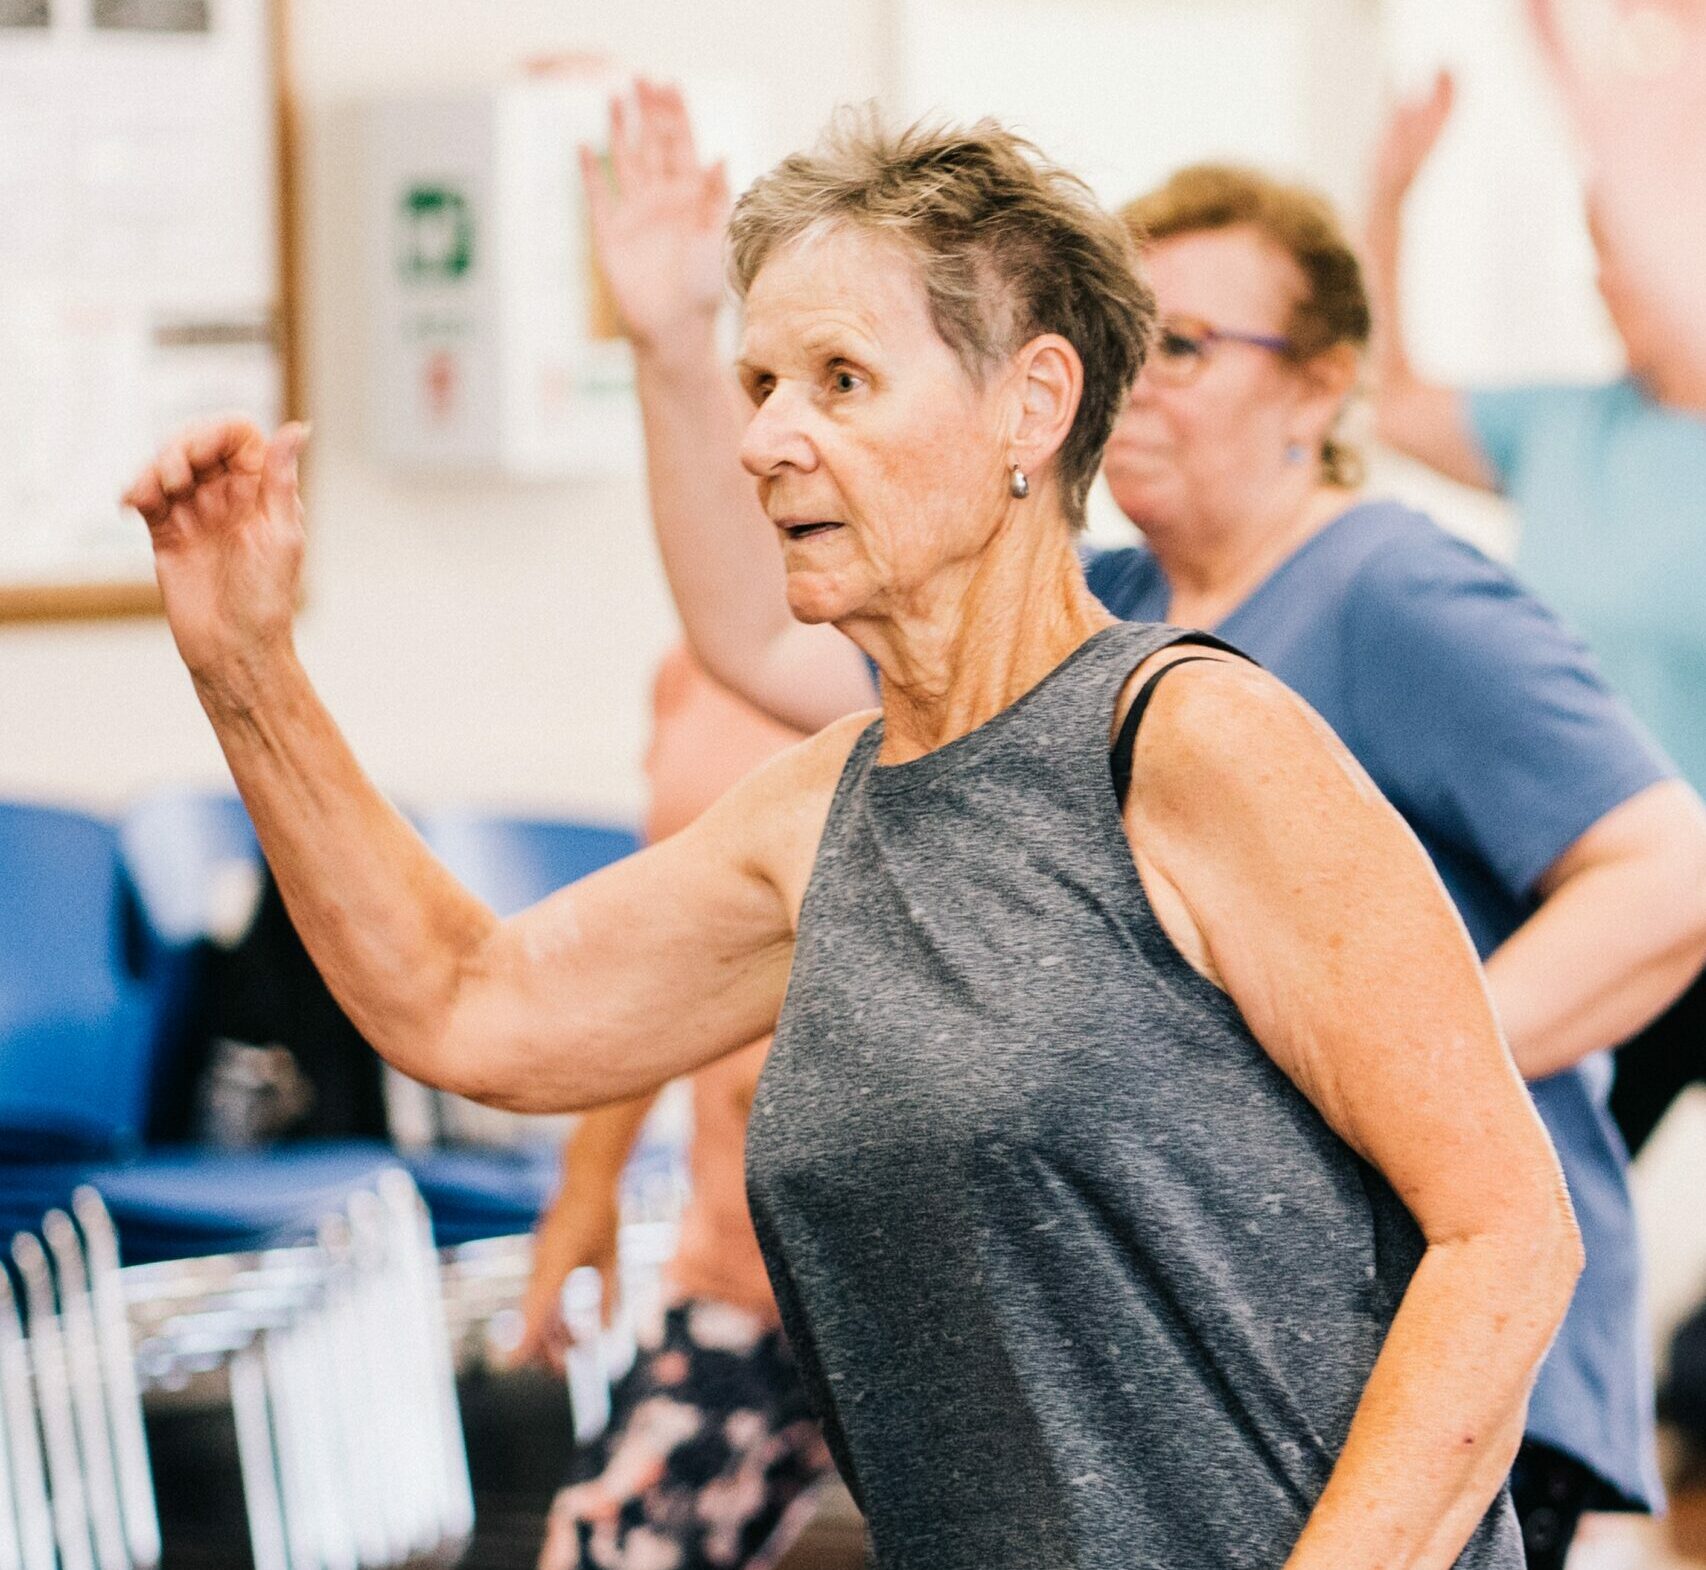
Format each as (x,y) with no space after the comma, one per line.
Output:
(1048,382)
(1330,377)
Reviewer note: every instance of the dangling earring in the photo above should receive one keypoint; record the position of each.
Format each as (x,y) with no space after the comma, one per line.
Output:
(1018,485)
(1295,452)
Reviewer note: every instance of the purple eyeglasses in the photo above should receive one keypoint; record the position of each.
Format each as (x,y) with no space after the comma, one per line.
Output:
(1185,343)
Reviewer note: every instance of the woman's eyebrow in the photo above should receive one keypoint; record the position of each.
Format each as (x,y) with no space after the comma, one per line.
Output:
(838,337)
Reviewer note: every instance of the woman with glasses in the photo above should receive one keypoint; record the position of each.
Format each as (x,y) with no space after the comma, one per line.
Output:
(1575,857)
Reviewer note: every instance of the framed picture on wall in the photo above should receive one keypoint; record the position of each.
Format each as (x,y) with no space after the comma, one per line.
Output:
(143,269)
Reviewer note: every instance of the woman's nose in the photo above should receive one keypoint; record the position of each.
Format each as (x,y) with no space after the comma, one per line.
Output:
(775,436)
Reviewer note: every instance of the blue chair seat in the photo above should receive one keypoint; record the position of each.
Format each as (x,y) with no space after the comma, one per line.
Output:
(475,1194)
(180,1203)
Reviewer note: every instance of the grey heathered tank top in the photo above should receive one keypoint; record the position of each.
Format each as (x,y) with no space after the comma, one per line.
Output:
(1075,1275)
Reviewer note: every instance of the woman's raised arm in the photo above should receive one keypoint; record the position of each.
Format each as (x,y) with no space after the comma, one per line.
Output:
(610,987)
(658,216)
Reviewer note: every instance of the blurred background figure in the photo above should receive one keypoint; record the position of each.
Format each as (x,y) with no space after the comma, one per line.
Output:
(1609,481)
(711,1453)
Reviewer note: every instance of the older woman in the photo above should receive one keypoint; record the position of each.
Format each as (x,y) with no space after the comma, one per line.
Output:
(1142,1175)
(1575,860)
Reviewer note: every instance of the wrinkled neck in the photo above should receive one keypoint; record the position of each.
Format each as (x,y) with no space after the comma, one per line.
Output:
(969,642)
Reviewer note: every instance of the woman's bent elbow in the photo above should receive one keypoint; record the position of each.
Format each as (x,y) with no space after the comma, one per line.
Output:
(1554,1264)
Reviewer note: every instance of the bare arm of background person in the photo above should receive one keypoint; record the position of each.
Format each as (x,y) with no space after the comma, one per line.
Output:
(639,973)
(580,1227)
(1423,418)
(1299,889)
(1619,934)
(1640,117)
(658,218)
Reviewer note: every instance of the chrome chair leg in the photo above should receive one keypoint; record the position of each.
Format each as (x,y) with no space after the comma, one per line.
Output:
(53,1398)
(33,1511)
(423,1294)
(88,1400)
(257,1456)
(118,1369)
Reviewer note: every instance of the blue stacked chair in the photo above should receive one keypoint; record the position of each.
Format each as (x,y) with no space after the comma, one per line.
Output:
(97,964)
(77,1022)
(100,932)
(511,863)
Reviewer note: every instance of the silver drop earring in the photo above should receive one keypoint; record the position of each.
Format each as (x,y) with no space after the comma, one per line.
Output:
(1294,452)
(1018,484)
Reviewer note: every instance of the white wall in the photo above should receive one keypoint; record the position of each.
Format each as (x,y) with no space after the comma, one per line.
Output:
(478,640)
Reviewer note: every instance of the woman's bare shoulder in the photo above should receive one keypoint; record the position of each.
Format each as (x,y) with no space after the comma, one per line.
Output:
(1227,747)
(777,813)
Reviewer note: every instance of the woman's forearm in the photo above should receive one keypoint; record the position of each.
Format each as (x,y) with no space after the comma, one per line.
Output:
(1595,965)
(1620,933)
(387,926)
(598,1149)
(1442,1414)
(723,565)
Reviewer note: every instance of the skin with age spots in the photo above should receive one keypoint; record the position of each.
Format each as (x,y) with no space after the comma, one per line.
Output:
(860,417)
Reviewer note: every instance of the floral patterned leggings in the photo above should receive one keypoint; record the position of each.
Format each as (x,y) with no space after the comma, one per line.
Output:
(709,1461)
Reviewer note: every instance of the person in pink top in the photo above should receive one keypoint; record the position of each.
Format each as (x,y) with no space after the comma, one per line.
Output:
(711,1452)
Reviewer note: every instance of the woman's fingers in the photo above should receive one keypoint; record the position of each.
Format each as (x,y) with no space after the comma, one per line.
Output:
(221,443)
(177,478)
(209,471)
(1412,130)
(148,496)
(674,131)
(714,195)
(279,465)
(597,188)
(648,154)
(624,159)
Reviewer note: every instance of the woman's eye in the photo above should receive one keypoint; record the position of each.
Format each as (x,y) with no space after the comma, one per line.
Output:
(1176,346)
(844,381)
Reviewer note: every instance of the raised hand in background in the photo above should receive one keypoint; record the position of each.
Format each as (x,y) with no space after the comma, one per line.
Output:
(657,216)
(1639,112)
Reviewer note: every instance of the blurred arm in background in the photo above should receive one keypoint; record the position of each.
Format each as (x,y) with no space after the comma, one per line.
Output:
(658,218)
(1425,419)
(1640,118)
(580,1228)
(1641,121)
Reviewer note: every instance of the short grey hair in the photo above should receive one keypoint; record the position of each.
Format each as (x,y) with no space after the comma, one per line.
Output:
(1008,244)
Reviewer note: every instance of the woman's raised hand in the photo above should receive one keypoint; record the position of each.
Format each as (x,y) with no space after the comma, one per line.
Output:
(658,216)
(1411,132)
(222,508)
(1639,112)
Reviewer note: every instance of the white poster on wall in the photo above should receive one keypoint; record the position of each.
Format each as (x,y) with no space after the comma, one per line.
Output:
(138,259)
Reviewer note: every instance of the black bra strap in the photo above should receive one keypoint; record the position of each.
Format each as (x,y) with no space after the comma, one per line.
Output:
(1119,758)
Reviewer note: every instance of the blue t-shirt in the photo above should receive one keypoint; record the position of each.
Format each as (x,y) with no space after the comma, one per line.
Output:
(1485,723)
(1611,491)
